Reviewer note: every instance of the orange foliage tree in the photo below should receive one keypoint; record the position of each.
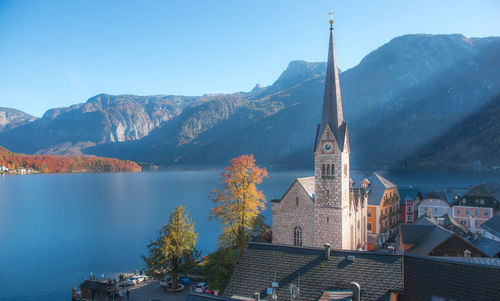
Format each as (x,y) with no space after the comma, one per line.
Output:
(239,203)
(61,164)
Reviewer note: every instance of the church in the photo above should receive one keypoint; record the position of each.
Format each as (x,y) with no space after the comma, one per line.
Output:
(324,208)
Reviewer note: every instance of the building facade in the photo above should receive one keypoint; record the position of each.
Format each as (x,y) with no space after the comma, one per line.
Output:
(383,210)
(435,204)
(483,195)
(323,208)
(472,217)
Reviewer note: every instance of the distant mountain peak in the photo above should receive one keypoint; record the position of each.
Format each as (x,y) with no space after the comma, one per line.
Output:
(298,71)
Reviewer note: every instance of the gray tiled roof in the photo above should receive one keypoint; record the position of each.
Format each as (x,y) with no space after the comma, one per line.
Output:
(493,189)
(377,274)
(377,187)
(206,297)
(414,233)
(475,260)
(488,246)
(435,236)
(425,277)
(492,225)
(429,220)
(441,195)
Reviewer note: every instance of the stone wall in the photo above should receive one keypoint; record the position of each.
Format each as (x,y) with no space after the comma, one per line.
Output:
(287,215)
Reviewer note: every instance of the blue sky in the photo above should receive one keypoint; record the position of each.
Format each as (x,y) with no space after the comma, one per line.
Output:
(58,53)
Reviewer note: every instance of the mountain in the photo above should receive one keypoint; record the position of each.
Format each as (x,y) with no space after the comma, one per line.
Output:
(398,99)
(12,118)
(103,118)
(474,143)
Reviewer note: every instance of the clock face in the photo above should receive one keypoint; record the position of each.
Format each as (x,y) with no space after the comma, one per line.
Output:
(328,147)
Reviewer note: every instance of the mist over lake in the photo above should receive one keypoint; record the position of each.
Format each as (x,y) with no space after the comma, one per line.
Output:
(56,229)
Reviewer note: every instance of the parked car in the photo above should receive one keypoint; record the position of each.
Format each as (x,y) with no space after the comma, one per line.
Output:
(137,279)
(200,287)
(180,280)
(208,291)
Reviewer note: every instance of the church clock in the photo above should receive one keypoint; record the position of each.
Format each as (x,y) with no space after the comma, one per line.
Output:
(327,147)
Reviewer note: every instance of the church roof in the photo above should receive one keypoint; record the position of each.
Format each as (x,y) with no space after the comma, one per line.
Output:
(332,102)
(308,185)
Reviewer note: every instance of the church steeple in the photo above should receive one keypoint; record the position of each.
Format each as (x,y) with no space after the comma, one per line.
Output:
(332,113)
(332,102)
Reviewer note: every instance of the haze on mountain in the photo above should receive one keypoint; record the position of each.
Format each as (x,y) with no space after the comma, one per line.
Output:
(400,102)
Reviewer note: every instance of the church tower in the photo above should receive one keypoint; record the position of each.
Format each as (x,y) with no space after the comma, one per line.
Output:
(331,165)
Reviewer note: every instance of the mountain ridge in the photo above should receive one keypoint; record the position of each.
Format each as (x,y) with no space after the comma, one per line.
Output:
(401,96)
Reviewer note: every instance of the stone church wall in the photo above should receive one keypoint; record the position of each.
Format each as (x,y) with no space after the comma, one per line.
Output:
(287,215)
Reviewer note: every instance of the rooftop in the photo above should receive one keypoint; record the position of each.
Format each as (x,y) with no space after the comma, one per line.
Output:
(492,225)
(377,274)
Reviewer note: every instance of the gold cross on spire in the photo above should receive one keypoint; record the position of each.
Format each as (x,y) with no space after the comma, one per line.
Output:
(331,18)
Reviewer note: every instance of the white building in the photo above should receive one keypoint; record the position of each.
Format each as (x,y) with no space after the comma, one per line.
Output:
(435,204)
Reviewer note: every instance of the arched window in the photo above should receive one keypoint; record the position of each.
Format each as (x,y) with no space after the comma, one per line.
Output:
(327,169)
(323,170)
(297,236)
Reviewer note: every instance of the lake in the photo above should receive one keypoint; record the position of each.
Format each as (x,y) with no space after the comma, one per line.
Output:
(56,229)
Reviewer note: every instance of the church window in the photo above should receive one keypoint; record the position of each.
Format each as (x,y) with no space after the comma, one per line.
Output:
(369,213)
(297,236)
(297,201)
(333,173)
(327,169)
(323,170)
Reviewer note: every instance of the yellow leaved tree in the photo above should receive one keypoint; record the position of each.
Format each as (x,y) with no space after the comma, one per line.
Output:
(238,205)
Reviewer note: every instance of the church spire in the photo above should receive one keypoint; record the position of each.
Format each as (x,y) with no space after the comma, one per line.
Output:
(332,114)
(332,102)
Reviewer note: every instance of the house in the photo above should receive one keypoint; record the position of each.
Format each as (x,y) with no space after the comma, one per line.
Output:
(98,290)
(434,240)
(483,195)
(435,203)
(446,221)
(410,197)
(472,217)
(310,274)
(491,228)
(383,214)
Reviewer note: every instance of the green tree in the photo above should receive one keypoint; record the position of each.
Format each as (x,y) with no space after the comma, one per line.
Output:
(219,267)
(239,203)
(174,252)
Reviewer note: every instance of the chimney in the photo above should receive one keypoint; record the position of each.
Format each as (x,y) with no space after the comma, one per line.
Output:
(256,296)
(467,253)
(327,250)
(356,291)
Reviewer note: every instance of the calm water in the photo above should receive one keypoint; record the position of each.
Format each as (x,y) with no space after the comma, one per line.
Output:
(56,229)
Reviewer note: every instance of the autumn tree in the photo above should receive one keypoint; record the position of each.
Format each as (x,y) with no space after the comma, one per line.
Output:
(174,252)
(239,203)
